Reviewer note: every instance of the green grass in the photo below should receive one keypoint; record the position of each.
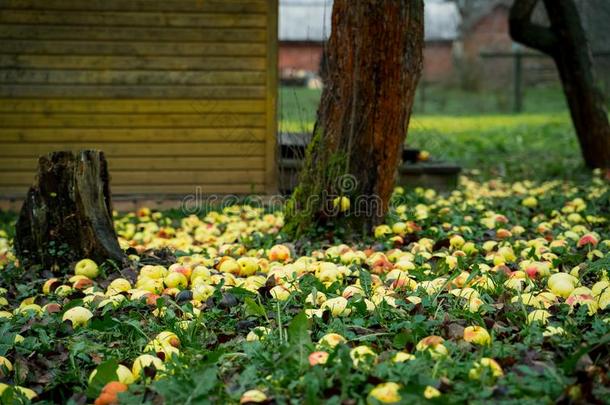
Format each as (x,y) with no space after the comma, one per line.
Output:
(471,131)
(525,146)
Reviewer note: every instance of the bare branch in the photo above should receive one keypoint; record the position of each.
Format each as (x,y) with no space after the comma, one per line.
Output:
(523,30)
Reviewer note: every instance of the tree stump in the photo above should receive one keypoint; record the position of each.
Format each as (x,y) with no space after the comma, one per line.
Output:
(67,214)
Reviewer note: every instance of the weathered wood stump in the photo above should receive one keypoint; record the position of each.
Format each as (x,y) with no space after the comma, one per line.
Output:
(67,214)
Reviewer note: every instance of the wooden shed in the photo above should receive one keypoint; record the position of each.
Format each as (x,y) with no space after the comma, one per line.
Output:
(179,94)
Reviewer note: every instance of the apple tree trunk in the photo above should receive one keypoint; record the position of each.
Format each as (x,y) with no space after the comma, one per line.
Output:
(566,42)
(373,63)
(67,213)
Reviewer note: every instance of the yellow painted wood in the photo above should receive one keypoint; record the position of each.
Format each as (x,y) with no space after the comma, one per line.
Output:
(137,190)
(177,93)
(127,77)
(130,48)
(150,149)
(173,34)
(131,106)
(144,135)
(220,6)
(271,170)
(24,61)
(132,18)
(189,189)
(185,163)
(14,120)
(158,177)
(125,92)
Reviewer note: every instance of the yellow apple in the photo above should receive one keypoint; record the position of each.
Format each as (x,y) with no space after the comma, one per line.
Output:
(253,397)
(79,316)
(337,306)
(143,361)
(402,357)
(247,266)
(5,364)
(279,253)
(433,345)
(229,265)
(342,203)
(258,333)
(87,268)
(331,340)
(477,334)
(387,393)
(362,354)
(175,280)
(28,393)
(485,363)
(153,272)
(49,285)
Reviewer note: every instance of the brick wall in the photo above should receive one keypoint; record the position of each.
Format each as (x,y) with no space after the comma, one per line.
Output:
(300,56)
(438,59)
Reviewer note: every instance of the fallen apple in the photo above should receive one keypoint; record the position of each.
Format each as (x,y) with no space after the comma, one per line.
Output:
(175,280)
(477,334)
(253,397)
(146,361)
(279,253)
(109,394)
(247,266)
(387,393)
(87,268)
(6,367)
(78,316)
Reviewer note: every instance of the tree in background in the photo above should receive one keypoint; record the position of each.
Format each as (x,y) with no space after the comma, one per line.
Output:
(374,61)
(565,41)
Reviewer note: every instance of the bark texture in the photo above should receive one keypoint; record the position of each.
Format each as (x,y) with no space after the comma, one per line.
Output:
(565,41)
(67,214)
(374,61)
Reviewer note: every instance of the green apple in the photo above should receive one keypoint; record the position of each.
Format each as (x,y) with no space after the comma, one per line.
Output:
(176,280)
(87,268)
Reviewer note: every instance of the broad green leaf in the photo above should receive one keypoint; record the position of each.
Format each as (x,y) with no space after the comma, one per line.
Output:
(253,308)
(104,373)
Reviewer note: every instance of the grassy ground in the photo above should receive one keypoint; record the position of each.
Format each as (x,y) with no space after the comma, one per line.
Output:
(472,130)
(497,293)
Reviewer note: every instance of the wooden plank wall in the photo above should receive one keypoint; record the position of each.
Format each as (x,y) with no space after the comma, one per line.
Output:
(177,93)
